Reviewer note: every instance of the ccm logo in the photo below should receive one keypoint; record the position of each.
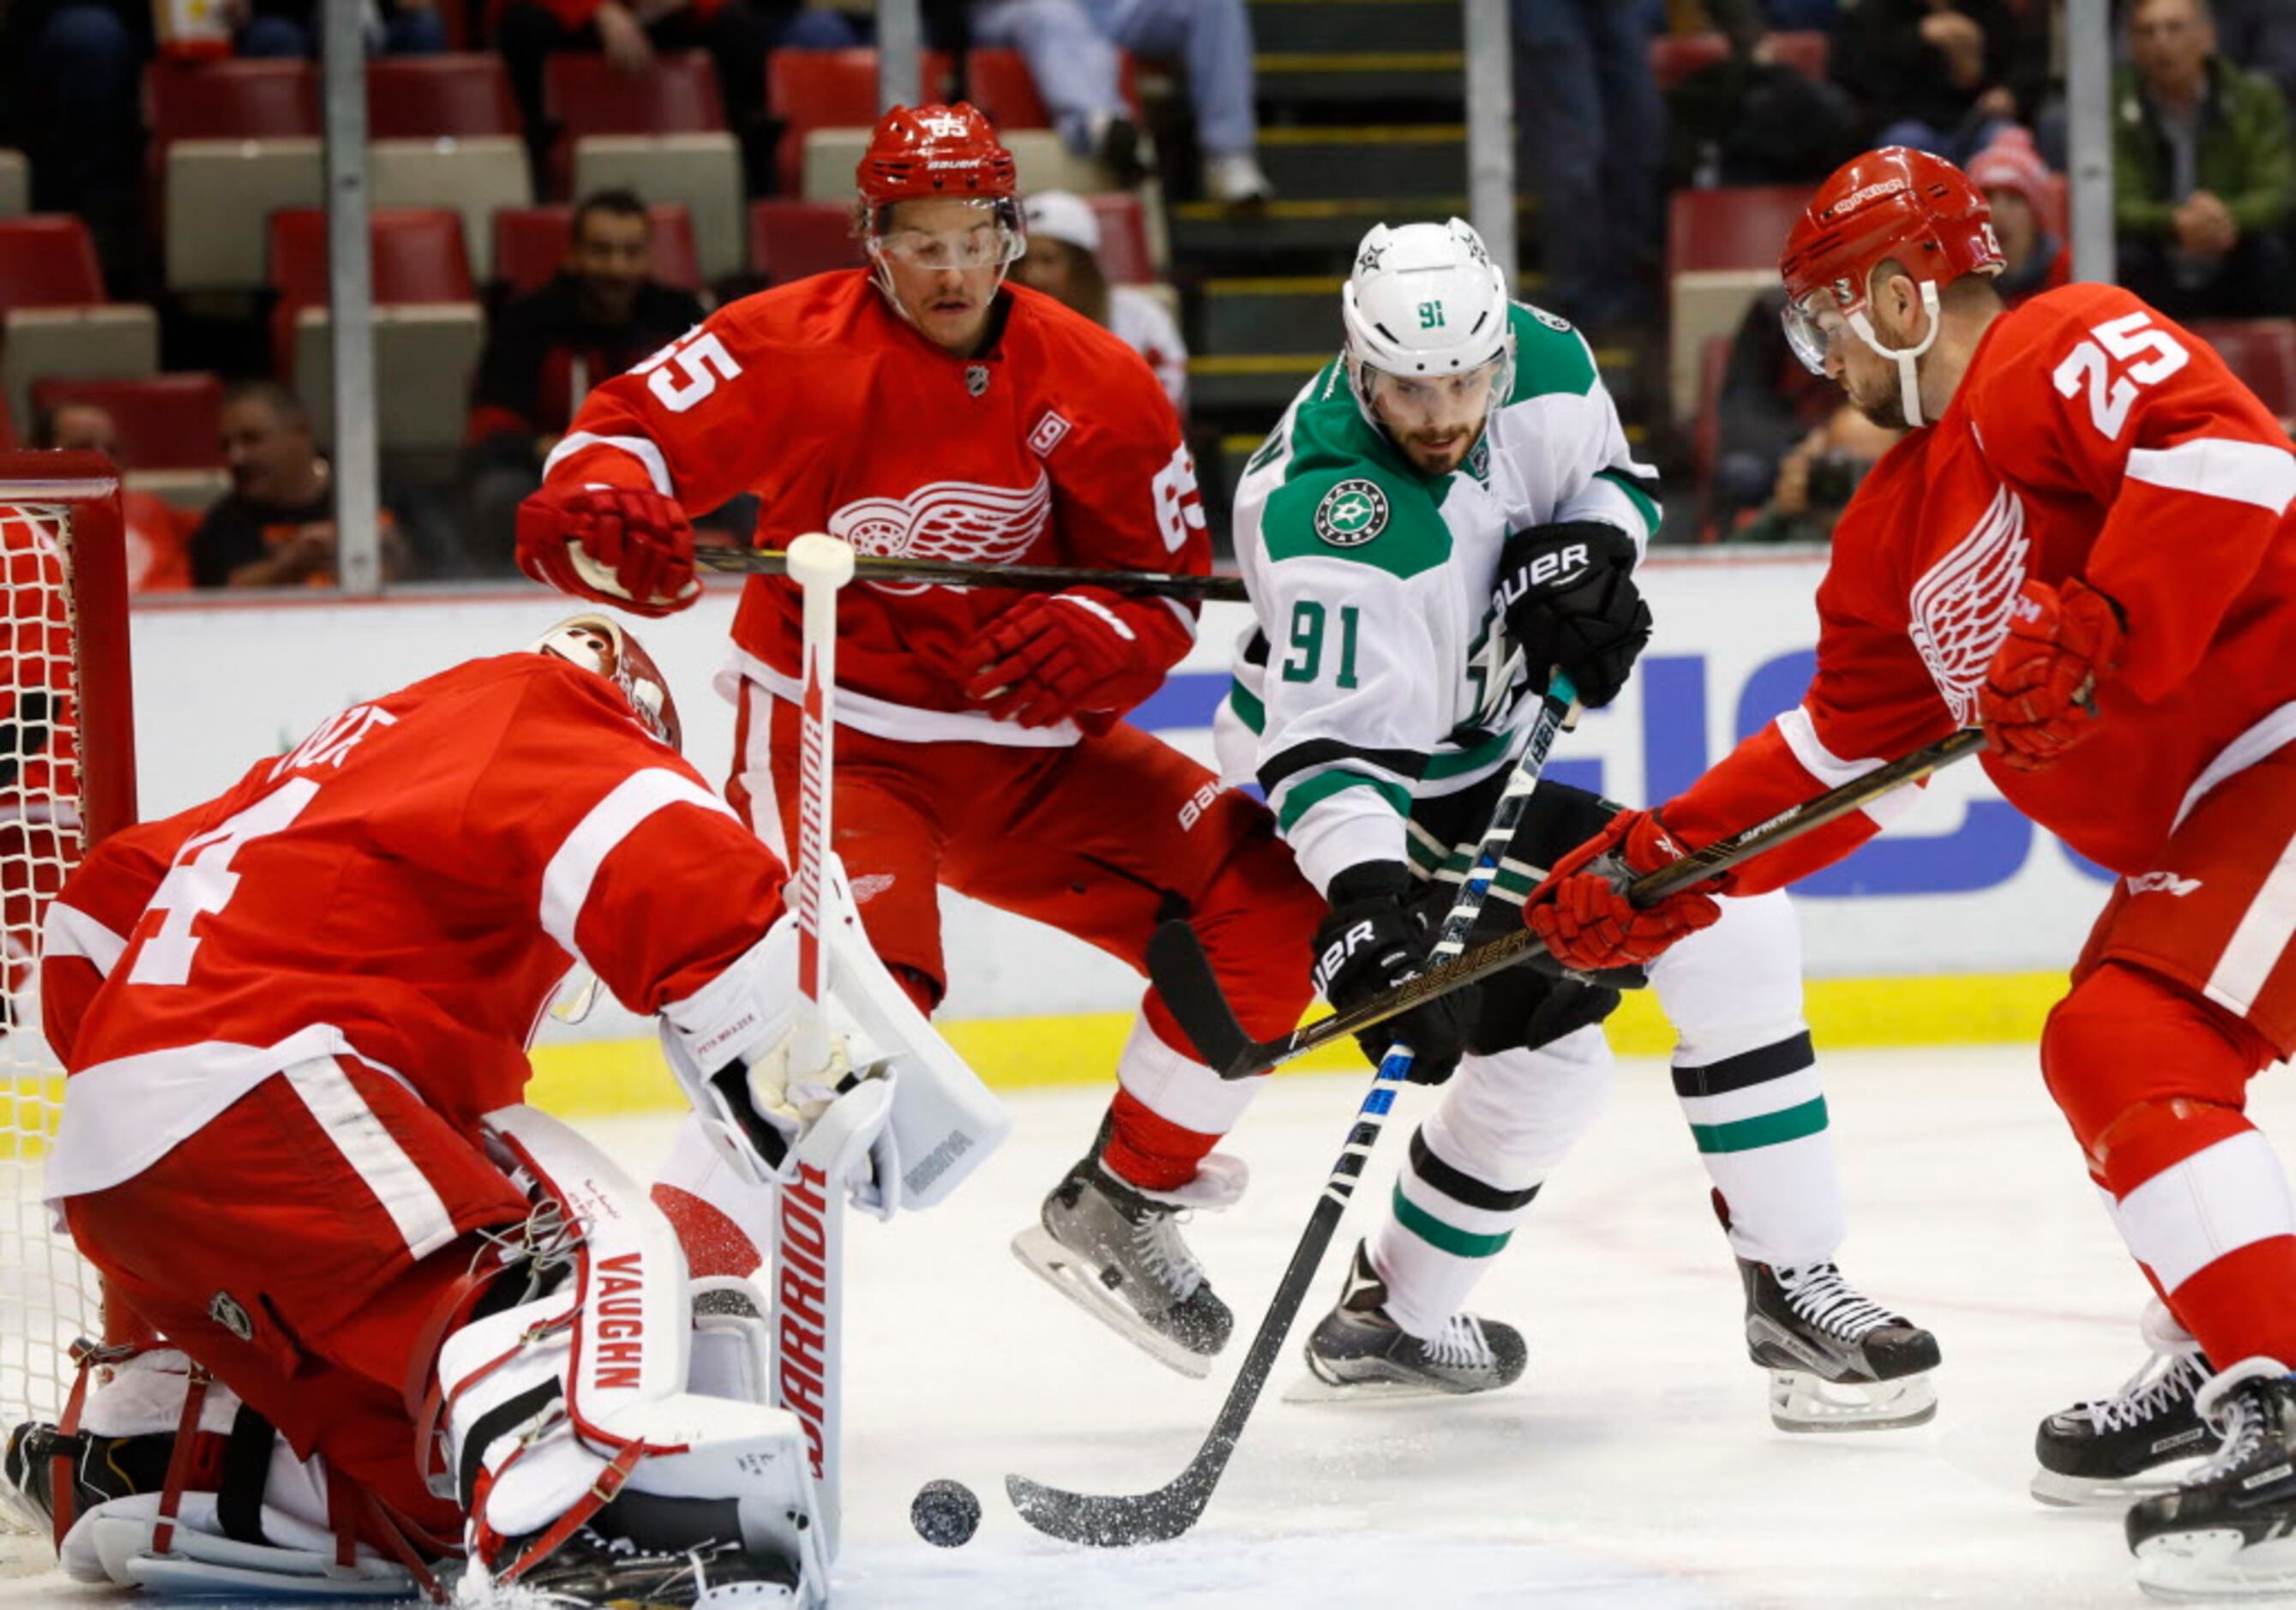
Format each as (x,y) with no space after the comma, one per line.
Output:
(1193,810)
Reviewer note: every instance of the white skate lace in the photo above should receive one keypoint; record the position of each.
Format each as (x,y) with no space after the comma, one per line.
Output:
(1461,1345)
(2239,1419)
(2160,1385)
(1820,1295)
(1156,1240)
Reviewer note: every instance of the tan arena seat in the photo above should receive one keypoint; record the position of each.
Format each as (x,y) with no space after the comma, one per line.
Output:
(113,340)
(15,184)
(1041,160)
(702,170)
(221,195)
(424,355)
(476,177)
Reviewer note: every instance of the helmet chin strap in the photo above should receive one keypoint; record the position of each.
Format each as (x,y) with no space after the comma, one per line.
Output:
(1909,384)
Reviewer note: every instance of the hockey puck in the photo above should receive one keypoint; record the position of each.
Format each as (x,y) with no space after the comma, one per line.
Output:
(945,1514)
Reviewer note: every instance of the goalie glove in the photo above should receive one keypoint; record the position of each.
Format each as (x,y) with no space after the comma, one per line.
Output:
(1581,910)
(629,547)
(2039,696)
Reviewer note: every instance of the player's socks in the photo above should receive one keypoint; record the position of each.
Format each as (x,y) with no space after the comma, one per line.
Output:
(2138,1440)
(1359,1351)
(1837,1360)
(1116,1251)
(2225,1531)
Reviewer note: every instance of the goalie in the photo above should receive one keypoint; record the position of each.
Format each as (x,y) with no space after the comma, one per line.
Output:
(406,1317)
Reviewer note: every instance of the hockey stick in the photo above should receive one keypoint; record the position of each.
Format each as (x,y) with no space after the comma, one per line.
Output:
(1040,578)
(1184,977)
(1159,1516)
(809,1212)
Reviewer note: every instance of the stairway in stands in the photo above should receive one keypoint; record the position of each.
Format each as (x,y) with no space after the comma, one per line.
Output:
(1362,107)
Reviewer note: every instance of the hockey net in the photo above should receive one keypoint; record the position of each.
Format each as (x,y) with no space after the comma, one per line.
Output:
(67,778)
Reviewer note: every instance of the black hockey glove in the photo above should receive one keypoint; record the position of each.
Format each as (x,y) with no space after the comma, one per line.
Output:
(1373,940)
(1569,594)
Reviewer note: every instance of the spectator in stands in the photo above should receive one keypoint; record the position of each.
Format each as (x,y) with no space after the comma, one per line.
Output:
(276,525)
(159,533)
(292,27)
(603,312)
(1071,49)
(1940,74)
(1589,142)
(738,34)
(1751,119)
(2260,35)
(1816,479)
(2203,180)
(2016,182)
(1769,402)
(1064,262)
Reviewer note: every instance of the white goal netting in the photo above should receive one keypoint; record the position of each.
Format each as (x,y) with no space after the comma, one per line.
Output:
(48,1297)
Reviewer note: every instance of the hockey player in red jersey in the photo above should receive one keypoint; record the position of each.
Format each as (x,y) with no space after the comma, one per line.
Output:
(295,1019)
(2084,546)
(922,407)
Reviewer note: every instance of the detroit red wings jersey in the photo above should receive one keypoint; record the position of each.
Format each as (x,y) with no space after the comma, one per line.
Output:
(1055,447)
(408,886)
(2091,437)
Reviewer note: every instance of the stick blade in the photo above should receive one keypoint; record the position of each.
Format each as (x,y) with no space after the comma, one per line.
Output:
(1183,975)
(1100,1521)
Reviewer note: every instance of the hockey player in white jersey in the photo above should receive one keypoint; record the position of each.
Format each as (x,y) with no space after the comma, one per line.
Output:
(1445,512)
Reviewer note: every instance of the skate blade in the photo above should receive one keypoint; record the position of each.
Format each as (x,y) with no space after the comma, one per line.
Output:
(1312,1388)
(2062,1491)
(1800,1402)
(2211,1565)
(1058,1269)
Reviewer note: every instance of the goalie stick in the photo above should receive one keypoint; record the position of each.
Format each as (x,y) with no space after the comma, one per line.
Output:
(945,573)
(1184,977)
(1159,1516)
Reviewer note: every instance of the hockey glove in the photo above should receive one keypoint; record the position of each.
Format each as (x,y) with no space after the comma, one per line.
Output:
(2039,697)
(1375,939)
(1581,910)
(1569,594)
(1056,655)
(629,547)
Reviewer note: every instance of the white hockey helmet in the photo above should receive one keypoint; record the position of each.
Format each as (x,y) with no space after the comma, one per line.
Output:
(1425,299)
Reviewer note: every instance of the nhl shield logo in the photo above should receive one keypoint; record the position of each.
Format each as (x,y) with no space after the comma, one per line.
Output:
(224,1309)
(1352,514)
(976,379)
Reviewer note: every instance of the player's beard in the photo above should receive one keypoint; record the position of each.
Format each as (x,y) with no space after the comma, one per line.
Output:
(1889,412)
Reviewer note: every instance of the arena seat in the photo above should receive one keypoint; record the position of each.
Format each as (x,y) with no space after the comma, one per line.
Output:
(790,240)
(55,319)
(530,246)
(438,97)
(1042,162)
(15,183)
(1674,57)
(662,133)
(231,141)
(2262,351)
(166,422)
(477,176)
(1722,250)
(809,89)
(428,330)
(1126,255)
(999,82)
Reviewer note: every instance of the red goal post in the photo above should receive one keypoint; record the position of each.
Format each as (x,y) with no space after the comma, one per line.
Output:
(66,778)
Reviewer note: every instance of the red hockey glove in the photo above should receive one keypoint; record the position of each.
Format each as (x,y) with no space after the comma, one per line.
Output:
(623,546)
(1581,910)
(1055,656)
(2039,697)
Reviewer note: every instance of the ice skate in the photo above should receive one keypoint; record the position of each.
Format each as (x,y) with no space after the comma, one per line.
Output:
(1116,1251)
(592,1570)
(1837,1361)
(103,1468)
(2224,1532)
(1357,1353)
(2141,1439)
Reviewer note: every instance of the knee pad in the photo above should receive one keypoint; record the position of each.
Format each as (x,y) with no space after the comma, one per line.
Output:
(2127,1052)
(1257,916)
(1509,1119)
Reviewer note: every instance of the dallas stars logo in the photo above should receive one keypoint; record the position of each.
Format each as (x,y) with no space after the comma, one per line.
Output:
(1352,514)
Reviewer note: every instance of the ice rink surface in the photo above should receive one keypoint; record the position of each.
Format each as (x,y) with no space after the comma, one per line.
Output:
(1633,1468)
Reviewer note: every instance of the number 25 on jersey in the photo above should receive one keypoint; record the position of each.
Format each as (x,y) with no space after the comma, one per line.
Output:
(2129,337)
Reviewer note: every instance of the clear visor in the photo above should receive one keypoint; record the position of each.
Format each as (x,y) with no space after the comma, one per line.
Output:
(989,241)
(1462,396)
(1816,329)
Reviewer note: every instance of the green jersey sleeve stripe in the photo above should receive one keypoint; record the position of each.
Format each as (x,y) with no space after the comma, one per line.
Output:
(1247,706)
(1632,486)
(1304,797)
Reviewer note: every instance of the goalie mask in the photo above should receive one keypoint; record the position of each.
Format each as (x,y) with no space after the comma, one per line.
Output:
(597,643)
(1426,309)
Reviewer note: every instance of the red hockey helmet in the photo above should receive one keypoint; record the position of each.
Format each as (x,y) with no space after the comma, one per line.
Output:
(1894,203)
(917,153)
(601,644)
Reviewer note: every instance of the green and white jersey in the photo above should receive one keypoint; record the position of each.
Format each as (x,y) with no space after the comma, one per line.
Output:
(1379,671)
